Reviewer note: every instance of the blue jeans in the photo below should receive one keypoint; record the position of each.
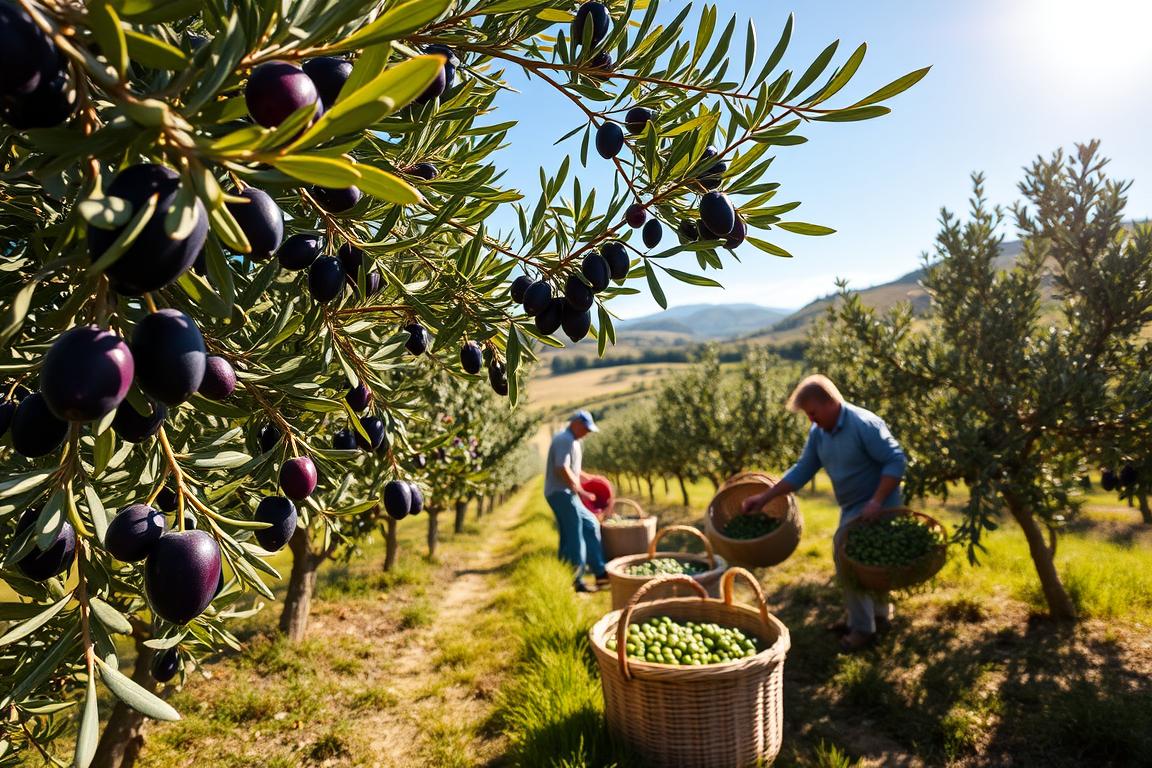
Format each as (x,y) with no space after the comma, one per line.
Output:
(579,533)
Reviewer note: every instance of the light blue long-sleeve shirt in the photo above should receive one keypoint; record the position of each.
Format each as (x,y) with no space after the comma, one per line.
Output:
(856,454)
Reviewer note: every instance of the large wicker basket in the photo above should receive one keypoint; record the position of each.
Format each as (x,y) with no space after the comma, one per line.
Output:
(624,585)
(631,534)
(770,549)
(878,578)
(714,716)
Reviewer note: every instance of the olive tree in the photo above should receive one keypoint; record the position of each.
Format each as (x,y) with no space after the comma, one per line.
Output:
(1008,386)
(218,217)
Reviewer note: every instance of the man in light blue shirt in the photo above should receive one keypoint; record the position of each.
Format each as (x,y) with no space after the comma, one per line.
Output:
(579,528)
(865,464)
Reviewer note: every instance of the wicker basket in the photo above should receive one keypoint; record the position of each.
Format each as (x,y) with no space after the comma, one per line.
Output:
(625,585)
(748,477)
(714,716)
(882,578)
(770,549)
(631,537)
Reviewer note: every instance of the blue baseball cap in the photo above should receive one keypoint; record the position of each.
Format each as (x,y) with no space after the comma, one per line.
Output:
(585,417)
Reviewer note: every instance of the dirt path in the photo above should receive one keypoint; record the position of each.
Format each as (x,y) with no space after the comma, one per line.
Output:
(450,691)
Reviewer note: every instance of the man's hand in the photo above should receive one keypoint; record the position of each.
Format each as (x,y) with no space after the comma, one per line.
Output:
(753,503)
(587,496)
(872,511)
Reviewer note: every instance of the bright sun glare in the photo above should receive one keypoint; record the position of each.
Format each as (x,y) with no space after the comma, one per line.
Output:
(1102,43)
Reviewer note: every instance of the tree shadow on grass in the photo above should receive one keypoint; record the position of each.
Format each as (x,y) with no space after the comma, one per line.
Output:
(951,684)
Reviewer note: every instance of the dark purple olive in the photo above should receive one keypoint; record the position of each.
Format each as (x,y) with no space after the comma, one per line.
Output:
(133,533)
(717,213)
(425,171)
(609,140)
(336,199)
(49,103)
(1108,480)
(737,236)
(450,62)
(616,254)
(578,294)
(35,431)
(40,564)
(359,397)
(170,356)
(374,428)
(270,435)
(219,380)
(397,499)
(596,272)
(498,378)
(298,478)
(25,51)
(326,279)
(576,322)
(591,15)
(261,220)
(166,500)
(275,90)
(165,665)
(281,513)
(86,373)
(418,339)
(688,232)
(154,259)
(714,176)
(352,259)
(181,575)
(636,215)
(471,357)
(437,87)
(638,118)
(328,74)
(344,440)
(7,411)
(136,427)
(519,287)
(653,233)
(548,321)
(537,298)
(299,251)
(417,499)
(419,461)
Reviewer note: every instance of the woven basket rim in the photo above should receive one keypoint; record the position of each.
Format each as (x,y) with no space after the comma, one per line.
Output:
(879,569)
(793,509)
(615,567)
(771,655)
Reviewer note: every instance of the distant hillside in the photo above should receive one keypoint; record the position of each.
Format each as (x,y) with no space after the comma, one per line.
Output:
(706,321)
(885,296)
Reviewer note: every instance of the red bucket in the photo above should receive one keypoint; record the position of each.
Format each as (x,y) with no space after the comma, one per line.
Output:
(603,491)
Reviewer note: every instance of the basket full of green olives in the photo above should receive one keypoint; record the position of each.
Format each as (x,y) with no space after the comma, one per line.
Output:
(899,550)
(628,573)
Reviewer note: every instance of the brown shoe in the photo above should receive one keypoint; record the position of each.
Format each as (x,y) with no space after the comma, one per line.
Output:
(856,641)
(603,581)
(587,588)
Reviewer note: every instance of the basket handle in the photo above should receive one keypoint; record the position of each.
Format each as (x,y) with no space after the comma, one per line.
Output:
(682,529)
(629,503)
(727,586)
(626,614)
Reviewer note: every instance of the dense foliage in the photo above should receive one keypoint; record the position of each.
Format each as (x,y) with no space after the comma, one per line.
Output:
(206,246)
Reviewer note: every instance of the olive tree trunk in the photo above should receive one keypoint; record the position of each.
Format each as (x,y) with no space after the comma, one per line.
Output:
(651,488)
(391,545)
(301,585)
(1060,605)
(433,530)
(461,511)
(123,737)
(1145,510)
(683,488)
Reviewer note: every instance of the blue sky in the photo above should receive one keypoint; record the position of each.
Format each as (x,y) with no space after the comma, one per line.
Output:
(1010,80)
